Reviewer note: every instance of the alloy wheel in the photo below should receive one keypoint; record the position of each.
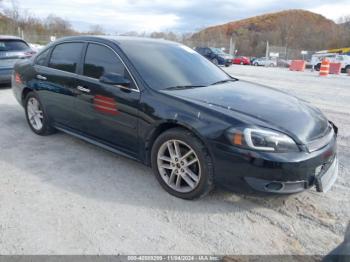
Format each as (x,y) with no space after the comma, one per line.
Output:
(179,166)
(35,114)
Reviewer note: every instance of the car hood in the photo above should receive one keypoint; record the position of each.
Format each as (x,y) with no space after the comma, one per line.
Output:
(275,108)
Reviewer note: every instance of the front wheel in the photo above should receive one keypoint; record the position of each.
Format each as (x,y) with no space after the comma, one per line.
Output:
(347,69)
(182,164)
(36,117)
(215,61)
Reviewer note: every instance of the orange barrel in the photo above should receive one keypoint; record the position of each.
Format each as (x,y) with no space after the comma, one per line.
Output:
(324,70)
(297,65)
(335,68)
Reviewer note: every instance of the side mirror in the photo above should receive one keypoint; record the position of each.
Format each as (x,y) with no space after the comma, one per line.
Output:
(114,79)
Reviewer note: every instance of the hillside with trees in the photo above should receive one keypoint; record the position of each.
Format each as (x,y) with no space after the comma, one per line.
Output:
(292,29)
(289,31)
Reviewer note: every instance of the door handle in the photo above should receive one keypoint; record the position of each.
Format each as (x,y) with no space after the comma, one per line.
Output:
(83,89)
(40,77)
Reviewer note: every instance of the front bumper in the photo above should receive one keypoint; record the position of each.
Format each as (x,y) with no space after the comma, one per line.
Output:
(276,172)
(323,182)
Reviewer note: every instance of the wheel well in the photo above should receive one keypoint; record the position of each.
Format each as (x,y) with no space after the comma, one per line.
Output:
(25,93)
(159,130)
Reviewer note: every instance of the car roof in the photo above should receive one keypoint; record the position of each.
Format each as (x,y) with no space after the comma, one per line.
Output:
(116,39)
(10,37)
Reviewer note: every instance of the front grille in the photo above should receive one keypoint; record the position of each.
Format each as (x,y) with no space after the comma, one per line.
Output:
(321,142)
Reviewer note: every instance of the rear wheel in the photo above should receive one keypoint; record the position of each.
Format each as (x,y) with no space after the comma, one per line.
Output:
(318,67)
(215,61)
(182,164)
(36,116)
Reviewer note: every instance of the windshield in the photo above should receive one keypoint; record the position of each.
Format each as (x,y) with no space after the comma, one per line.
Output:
(164,65)
(13,45)
(218,51)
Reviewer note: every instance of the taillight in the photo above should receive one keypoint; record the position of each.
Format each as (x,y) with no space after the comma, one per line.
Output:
(18,79)
(29,53)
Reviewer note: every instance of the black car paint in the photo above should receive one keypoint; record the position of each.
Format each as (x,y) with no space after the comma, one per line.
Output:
(208,112)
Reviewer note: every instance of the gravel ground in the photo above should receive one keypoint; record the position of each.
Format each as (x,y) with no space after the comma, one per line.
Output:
(59,195)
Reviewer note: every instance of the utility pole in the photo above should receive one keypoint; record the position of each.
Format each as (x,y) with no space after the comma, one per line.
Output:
(232,46)
(267,50)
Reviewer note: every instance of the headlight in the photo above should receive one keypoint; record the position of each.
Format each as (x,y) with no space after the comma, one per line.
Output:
(262,140)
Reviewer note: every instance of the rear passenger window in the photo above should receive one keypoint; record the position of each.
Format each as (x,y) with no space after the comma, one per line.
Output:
(66,57)
(100,60)
(41,58)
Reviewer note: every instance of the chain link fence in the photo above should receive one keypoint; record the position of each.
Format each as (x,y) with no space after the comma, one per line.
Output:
(273,51)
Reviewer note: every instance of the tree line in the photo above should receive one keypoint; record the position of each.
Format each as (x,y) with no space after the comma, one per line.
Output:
(289,30)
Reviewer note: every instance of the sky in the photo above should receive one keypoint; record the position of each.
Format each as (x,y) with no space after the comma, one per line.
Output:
(119,16)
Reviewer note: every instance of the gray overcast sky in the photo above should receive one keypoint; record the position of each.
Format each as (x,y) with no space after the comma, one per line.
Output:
(176,15)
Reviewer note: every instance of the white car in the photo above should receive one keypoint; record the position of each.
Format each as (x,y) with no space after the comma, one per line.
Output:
(264,62)
(316,60)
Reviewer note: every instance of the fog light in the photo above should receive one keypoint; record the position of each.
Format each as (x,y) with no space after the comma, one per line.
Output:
(274,186)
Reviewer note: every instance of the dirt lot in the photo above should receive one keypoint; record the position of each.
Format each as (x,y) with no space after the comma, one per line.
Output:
(59,195)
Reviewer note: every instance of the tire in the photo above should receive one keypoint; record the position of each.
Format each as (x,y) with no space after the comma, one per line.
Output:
(45,128)
(256,64)
(347,69)
(215,61)
(318,67)
(242,63)
(203,167)
(272,65)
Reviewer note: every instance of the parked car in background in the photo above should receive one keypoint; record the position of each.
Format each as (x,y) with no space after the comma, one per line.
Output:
(165,105)
(11,49)
(241,60)
(283,62)
(316,60)
(216,55)
(262,61)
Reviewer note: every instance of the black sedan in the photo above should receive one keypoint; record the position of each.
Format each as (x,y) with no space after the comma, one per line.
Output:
(165,105)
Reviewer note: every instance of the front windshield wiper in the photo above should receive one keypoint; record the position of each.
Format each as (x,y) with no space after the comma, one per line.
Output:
(182,87)
(224,81)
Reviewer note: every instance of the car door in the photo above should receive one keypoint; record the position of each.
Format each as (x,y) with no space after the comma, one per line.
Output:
(56,80)
(107,112)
